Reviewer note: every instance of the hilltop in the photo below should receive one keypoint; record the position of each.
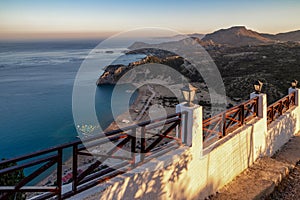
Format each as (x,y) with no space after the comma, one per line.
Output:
(236,36)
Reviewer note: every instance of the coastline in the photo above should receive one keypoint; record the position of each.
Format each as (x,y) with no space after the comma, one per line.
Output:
(137,111)
(83,161)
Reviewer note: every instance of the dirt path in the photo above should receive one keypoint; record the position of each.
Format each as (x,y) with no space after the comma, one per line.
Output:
(147,104)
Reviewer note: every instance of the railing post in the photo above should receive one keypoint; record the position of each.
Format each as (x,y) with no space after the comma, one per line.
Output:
(272,113)
(242,114)
(297,103)
(224,125)
(133,147)
(59,173)
(281,108)
(192,135)
(75,168)
(143,143)
(297,94)
(288,102)
(262,104)
(259,139)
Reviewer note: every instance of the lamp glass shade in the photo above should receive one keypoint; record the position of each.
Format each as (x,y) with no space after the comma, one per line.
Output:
(188,93)
(257,87)
(294,83)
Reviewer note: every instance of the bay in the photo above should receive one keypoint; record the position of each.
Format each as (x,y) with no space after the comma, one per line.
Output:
(36,82)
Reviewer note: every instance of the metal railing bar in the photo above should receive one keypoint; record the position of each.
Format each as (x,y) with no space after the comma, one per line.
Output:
(95,176)
(98,162)
(35,174)
(158,140)
(28,189)
(168,121)
(29,164)
(103,141)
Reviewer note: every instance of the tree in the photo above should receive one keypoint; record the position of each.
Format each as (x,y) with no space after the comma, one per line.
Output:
(11,179)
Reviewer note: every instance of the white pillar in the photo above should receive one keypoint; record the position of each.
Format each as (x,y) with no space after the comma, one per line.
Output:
(297,103)
(260,130)
(262,104)
(192,135)
(297,94)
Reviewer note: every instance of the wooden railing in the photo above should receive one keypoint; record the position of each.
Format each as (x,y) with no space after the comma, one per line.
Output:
(279,107)
(133,139)
(220,125)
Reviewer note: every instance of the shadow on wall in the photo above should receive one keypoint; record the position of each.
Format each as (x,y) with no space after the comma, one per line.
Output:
(151,184)
(188,177)
(279,132)
(250,157)
(176,181)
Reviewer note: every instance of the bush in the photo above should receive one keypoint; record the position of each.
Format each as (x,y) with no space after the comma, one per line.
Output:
(11,179)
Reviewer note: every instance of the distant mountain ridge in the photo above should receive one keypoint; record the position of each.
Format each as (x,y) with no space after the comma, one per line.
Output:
(288,36)
(236,36)
(241,36)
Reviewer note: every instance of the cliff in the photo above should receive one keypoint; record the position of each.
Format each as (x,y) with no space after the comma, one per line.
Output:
(113,73)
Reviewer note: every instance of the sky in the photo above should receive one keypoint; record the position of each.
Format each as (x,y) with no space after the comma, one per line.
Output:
(97,18)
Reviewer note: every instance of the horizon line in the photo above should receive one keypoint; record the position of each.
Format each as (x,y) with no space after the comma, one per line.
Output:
(95,35)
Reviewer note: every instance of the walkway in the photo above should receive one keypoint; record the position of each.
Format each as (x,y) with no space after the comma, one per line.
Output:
(260,180)
(289,189)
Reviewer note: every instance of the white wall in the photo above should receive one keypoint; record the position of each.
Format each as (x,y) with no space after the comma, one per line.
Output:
(281,130)
(186,174)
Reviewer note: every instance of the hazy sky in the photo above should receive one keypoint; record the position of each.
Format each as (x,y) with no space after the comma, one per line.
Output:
(70,18)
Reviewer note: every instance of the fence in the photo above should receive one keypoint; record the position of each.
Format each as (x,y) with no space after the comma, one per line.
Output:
(142,142)
(138,140)
(221,162)
(220,125)
(280,107)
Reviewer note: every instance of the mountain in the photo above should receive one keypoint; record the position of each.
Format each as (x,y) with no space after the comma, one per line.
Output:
(236,36)
(288,36)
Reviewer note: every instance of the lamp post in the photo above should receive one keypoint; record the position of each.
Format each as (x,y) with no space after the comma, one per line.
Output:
(257,86)
(188,93)
(294,84)
(190,132)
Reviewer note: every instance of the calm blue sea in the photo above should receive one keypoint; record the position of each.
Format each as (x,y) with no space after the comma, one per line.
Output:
(36,82)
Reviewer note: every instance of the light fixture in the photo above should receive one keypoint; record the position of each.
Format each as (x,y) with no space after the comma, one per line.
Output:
(188,93)
(294,84)
(257,86)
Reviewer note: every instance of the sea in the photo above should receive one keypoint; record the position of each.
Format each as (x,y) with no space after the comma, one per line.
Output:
(36,84)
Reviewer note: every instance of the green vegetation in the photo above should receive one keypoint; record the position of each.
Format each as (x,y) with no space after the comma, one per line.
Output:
(11,179)
(275,65)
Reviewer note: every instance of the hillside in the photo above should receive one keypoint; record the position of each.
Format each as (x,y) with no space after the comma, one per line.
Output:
(249,58)
(237,36)
(283,37)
